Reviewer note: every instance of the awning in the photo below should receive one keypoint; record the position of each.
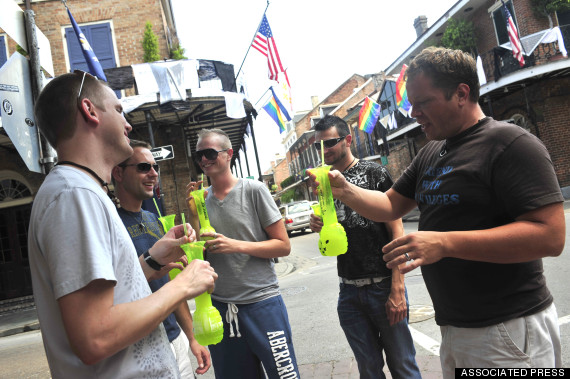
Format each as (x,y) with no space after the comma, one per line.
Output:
(193,114)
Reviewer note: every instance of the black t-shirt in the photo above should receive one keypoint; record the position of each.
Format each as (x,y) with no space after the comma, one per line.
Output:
(365,238)
(482,178)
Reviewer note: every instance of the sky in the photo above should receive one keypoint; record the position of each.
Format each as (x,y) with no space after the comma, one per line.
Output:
(321,43)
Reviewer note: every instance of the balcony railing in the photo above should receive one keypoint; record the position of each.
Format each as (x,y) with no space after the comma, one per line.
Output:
(499,62)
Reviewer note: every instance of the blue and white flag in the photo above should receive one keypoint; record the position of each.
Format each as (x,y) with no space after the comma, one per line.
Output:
(95,68)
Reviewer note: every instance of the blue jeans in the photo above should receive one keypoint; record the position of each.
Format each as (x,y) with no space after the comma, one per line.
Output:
(362,315)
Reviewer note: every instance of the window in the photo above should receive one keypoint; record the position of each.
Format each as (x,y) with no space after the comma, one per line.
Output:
(101,41)
(11,189)
(3,51)
(563,18)
(499,19)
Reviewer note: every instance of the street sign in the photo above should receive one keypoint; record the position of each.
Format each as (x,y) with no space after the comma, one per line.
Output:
(163,153)
(18,110)
(12,22)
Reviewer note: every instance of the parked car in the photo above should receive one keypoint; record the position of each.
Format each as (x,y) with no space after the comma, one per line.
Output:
(296,215)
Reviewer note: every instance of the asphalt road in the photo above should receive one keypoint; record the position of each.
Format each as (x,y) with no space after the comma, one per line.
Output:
(310,293)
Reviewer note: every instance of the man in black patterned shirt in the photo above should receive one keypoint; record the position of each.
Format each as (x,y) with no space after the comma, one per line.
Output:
(372,304)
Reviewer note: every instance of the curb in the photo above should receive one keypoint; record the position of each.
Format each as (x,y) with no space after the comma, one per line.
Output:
(20,329)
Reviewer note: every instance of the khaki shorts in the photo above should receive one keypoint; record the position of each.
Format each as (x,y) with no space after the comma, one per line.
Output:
(524,342)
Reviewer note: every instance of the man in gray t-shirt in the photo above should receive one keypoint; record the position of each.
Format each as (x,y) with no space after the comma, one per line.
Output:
(249,234)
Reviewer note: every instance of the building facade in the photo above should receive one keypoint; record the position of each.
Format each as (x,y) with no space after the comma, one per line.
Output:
(115,30)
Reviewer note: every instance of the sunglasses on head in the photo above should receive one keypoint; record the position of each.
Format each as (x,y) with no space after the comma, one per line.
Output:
(210,154)
(328,143)
(83,75)
(143,166)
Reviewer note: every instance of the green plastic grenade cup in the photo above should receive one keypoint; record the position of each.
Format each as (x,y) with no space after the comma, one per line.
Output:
(332,237)
(167,222)
(208,324)
(205,226)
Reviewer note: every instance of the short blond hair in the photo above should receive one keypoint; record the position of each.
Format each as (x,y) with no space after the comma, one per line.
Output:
(223,136)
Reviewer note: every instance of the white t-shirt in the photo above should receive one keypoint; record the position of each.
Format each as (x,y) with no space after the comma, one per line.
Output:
(75,237)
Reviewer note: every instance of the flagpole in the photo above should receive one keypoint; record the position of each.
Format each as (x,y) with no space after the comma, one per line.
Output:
(261,97)
(247,52)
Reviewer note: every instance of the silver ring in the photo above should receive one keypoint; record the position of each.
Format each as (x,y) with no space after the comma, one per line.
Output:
(407,257)
(213,246)
(215,235)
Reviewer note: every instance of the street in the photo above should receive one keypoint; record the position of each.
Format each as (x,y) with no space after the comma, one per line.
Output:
(310,293)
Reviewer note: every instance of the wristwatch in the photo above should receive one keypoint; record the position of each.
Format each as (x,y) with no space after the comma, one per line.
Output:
(151,262)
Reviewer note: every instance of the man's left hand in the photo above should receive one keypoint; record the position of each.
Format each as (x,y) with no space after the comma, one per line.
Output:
(220,244)
(415,249)
(202,356)
(396,307)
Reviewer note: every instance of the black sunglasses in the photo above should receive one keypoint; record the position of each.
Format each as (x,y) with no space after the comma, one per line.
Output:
(210,154)
(142,167)
(328,143)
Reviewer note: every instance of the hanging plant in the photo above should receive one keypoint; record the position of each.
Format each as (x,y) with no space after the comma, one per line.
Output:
(177,53)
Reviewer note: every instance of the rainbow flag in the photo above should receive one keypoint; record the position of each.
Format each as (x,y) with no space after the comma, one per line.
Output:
(401,93)
(368,115)
(274,111)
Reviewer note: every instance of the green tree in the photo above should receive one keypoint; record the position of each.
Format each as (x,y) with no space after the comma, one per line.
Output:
(287,182)
(544,8)
(460,35)
(177,53)
(150,44)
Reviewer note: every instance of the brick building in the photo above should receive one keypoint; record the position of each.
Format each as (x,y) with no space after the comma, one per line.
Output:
(535,97)
(115,31)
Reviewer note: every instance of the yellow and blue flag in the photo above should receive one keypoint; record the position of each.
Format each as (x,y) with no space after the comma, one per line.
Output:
(95,68)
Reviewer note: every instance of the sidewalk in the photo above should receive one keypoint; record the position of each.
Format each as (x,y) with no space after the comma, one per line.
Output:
(430,368)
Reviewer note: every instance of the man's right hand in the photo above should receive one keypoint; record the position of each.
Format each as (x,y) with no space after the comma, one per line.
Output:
(167,249)
(338,183)
(197,278)
(315,223)
(193,186)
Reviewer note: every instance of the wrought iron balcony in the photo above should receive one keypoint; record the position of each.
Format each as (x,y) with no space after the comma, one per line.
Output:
(499,61)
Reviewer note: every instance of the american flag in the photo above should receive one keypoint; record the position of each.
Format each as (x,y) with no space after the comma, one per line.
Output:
(516,45)
(265,44)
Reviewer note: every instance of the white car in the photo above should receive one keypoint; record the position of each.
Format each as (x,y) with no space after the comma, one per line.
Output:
(296,215)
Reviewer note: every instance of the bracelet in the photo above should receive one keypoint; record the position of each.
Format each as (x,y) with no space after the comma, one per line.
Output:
(151,262)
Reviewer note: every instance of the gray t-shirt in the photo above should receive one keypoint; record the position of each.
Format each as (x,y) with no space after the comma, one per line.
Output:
(75,237)
(243,215)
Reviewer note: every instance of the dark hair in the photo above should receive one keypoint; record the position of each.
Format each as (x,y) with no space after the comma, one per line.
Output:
(134,144)
(328,122)
(447,69)
(57,104)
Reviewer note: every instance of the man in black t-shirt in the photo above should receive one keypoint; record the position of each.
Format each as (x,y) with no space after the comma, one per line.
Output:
(372,302)
(490,210)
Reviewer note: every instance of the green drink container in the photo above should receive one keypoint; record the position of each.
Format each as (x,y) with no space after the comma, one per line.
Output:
(332,237)
(167,222)
(205,226)
(316,209)
(208,324)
